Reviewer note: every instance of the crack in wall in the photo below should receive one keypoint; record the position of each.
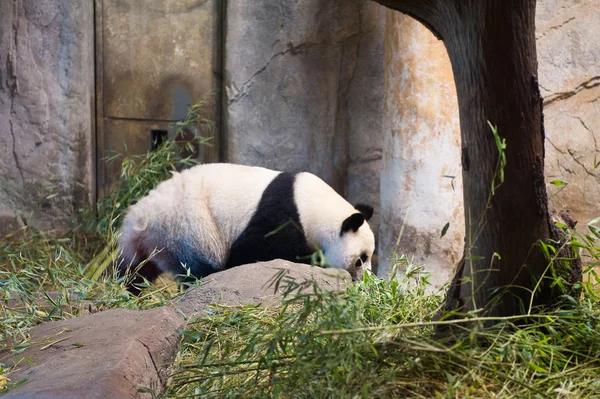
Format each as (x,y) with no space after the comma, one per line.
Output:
(555,27)
(12,81)
(573,155)
(243,90)
(588,129)
(289,48)
(578,162)
(568,170)
(555,147)
(588,84)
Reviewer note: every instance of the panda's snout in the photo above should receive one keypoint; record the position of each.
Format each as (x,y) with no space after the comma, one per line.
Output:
(356,273)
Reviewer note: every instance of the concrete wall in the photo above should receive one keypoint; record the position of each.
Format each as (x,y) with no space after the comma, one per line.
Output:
(304,90)
(421,147)
(46,110)
(568,39)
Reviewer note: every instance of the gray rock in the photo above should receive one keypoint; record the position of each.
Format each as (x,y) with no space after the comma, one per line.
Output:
(255,283)
(365,112)
(112,354)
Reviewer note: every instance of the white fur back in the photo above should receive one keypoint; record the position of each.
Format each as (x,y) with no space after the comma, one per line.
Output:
(209,205)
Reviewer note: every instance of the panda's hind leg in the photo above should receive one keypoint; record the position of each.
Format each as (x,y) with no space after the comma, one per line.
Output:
(137,273)
(134,263)
(147,254)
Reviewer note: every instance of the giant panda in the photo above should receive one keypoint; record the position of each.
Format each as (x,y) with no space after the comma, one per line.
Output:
(216,216)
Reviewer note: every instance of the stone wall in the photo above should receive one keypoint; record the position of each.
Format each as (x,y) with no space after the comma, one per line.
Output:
(46,110)
(421,185)
(304,90)
(422,138)
(568,39)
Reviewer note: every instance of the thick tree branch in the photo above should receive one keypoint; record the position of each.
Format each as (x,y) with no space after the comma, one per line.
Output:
(424,11)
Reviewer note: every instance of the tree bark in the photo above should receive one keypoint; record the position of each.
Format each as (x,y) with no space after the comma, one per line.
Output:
(491,45)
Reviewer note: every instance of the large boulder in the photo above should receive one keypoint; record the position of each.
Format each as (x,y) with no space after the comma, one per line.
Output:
(255,283)
(112,354)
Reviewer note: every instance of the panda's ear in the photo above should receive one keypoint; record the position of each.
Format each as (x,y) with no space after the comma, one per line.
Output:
(365,209)
(352,222)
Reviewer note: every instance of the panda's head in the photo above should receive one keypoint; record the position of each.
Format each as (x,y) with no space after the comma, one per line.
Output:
(353,248)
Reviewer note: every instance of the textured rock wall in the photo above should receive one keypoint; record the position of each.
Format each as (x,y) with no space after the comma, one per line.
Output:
(422,139)
(304,90)
(46,104)
(568,40)
(421,147)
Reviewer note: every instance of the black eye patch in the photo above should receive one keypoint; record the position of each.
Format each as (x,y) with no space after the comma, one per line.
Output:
(362,260)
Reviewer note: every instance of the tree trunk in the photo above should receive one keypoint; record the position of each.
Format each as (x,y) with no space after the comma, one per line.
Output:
(491,45)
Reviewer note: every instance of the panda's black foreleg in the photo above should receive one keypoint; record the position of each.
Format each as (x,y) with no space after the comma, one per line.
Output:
(191,268)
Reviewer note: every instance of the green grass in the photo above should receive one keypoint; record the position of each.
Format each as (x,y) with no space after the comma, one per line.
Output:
(377,339)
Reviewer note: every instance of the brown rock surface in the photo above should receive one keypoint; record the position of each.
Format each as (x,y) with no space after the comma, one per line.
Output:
(104,355)
(421,147)
(112,354)
(568,44)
